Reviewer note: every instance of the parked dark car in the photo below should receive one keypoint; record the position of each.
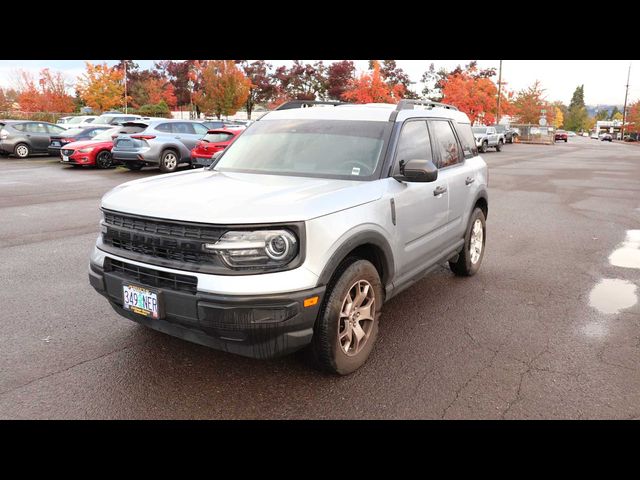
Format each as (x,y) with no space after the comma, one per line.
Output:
(509,133)
(73,135)
(606,137)
(23,138)
(561,135)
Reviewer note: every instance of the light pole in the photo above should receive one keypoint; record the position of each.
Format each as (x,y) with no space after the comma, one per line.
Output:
(624,109)
(499,93)
(125,86)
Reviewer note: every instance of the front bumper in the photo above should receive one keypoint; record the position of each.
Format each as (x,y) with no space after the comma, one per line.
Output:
(256,326)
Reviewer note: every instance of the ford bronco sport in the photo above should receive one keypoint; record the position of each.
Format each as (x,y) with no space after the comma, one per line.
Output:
(299,231)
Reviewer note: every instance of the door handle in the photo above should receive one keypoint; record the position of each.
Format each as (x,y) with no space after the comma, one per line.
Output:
(439,190)
(469,180)
(178,138)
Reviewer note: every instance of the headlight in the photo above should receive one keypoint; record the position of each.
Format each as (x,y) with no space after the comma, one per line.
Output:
(255,249)
(86,150)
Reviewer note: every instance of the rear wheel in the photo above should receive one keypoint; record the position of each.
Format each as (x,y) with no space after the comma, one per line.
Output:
(22,150)
(169,161)
(347,326)
(103,160)
(470,258)
(499,146)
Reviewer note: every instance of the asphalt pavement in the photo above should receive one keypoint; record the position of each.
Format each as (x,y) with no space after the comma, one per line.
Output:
(548,328)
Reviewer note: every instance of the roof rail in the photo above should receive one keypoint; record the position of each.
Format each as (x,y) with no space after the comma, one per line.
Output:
(407,104)
(305,104)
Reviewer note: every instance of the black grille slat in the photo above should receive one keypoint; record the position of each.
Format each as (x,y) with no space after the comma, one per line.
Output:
(163,227)
(151,277)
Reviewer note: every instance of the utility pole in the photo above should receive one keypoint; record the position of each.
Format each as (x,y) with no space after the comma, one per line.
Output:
(499,93)
(624,110)
(125,86)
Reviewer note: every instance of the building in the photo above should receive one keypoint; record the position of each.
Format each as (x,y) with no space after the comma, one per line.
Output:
(614,127)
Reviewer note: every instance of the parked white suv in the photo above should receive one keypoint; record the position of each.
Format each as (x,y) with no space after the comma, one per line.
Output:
(299,231)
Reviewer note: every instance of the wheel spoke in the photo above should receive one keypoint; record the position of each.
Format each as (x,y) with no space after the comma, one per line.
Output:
(365,311)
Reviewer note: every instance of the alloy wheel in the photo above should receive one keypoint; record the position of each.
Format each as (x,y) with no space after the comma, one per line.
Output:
(476,243)
(22,151)
(170,161)
(356,317)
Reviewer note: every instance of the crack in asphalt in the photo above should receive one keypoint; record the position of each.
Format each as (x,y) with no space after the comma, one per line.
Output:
(11,390)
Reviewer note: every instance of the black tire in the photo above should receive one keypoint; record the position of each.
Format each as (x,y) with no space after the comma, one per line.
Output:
(499,146)
(483,147)
(22,150)
(104,159)
(565,140)
(134,166)
(464,267)
(326,350)
(169,161)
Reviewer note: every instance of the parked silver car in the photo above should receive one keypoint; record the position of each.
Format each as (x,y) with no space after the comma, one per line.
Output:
(23,138)
(300,231)
(164,143)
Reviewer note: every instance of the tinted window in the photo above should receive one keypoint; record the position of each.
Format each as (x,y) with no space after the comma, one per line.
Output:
(217,137)
(38,128)
(467,140)
(445,143)
(414,142)
(183,127)
(164,127)
(55,129)
(19,126)
(199,128)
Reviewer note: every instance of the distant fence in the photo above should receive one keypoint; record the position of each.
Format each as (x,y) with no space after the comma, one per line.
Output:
(530,133)
(51,117)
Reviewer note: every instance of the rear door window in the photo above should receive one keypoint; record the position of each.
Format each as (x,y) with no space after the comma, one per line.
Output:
(37,128)
(467,140)
(200,129)
(445,143)
(183,127)
(164,127)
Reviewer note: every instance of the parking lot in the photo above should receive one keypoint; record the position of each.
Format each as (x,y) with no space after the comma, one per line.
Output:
(548,328)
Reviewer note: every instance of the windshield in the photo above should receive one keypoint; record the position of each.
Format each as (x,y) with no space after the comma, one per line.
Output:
(75,120)
(73,131)
(481,130)
(500,128)
(104,119)
(106,134)
(321,148)
(215,137)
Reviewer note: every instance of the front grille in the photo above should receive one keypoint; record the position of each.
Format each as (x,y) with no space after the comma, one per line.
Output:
(67,152)
(170,229)
(125,241)
(152,278)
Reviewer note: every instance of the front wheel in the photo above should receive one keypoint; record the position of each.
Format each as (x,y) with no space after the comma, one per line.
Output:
(22,150)
(470,258)
(169,161)
(103,160)
(347,326)
(483,147)
(499,146)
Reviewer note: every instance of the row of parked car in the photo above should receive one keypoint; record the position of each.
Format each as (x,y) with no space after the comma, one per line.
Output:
(111,140)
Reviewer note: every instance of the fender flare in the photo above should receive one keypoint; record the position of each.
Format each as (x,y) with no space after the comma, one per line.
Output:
(361,238)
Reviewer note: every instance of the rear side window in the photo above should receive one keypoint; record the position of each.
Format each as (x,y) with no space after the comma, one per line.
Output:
(55,129)
(446,144)
(164,127)
(199,128)
(468,141)
(413,143)
(37,128)
(19,126)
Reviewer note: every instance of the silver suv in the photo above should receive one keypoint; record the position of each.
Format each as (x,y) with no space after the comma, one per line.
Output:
(165,143)
(299,231)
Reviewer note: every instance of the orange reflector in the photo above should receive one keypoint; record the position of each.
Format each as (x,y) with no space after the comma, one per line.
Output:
(310,302)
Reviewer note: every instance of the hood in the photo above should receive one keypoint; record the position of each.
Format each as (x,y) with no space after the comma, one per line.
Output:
(87,143)
(234,198)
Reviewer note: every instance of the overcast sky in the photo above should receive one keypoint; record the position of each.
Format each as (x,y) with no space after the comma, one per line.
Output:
(604,80)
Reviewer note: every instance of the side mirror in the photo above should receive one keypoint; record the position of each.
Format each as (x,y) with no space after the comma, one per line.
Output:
(417,171)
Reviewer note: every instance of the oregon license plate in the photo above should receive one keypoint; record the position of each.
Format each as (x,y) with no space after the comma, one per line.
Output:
(65,158)
(141,300)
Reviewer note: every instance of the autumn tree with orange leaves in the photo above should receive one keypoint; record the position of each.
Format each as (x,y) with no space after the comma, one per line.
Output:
(47,94)
(477,96)
(633,118)
(529,104)
(224,87)
(371,88)
(101,87)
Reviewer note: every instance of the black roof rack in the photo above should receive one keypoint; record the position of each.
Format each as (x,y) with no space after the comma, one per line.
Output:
(407,104)
(305,103)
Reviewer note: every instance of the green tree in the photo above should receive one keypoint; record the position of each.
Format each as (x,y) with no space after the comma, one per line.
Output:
(577,117)
(612,115)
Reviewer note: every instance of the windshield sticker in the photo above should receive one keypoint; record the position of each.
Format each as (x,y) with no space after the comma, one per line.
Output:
(355,171)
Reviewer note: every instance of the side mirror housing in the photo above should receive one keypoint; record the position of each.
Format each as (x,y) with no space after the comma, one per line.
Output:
(417,170)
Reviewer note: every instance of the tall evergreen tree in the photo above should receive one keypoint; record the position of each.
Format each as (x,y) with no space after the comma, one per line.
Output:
(577,116)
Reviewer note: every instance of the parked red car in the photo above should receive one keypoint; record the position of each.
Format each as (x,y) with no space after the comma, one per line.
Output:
(213,142)
(561,135)
(95,152)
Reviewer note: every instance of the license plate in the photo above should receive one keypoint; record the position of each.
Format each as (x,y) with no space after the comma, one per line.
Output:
(125,143)
(55,144)
(65,158)
(141,300)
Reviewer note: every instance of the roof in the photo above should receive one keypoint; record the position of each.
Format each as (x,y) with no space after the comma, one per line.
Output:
(375,112)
